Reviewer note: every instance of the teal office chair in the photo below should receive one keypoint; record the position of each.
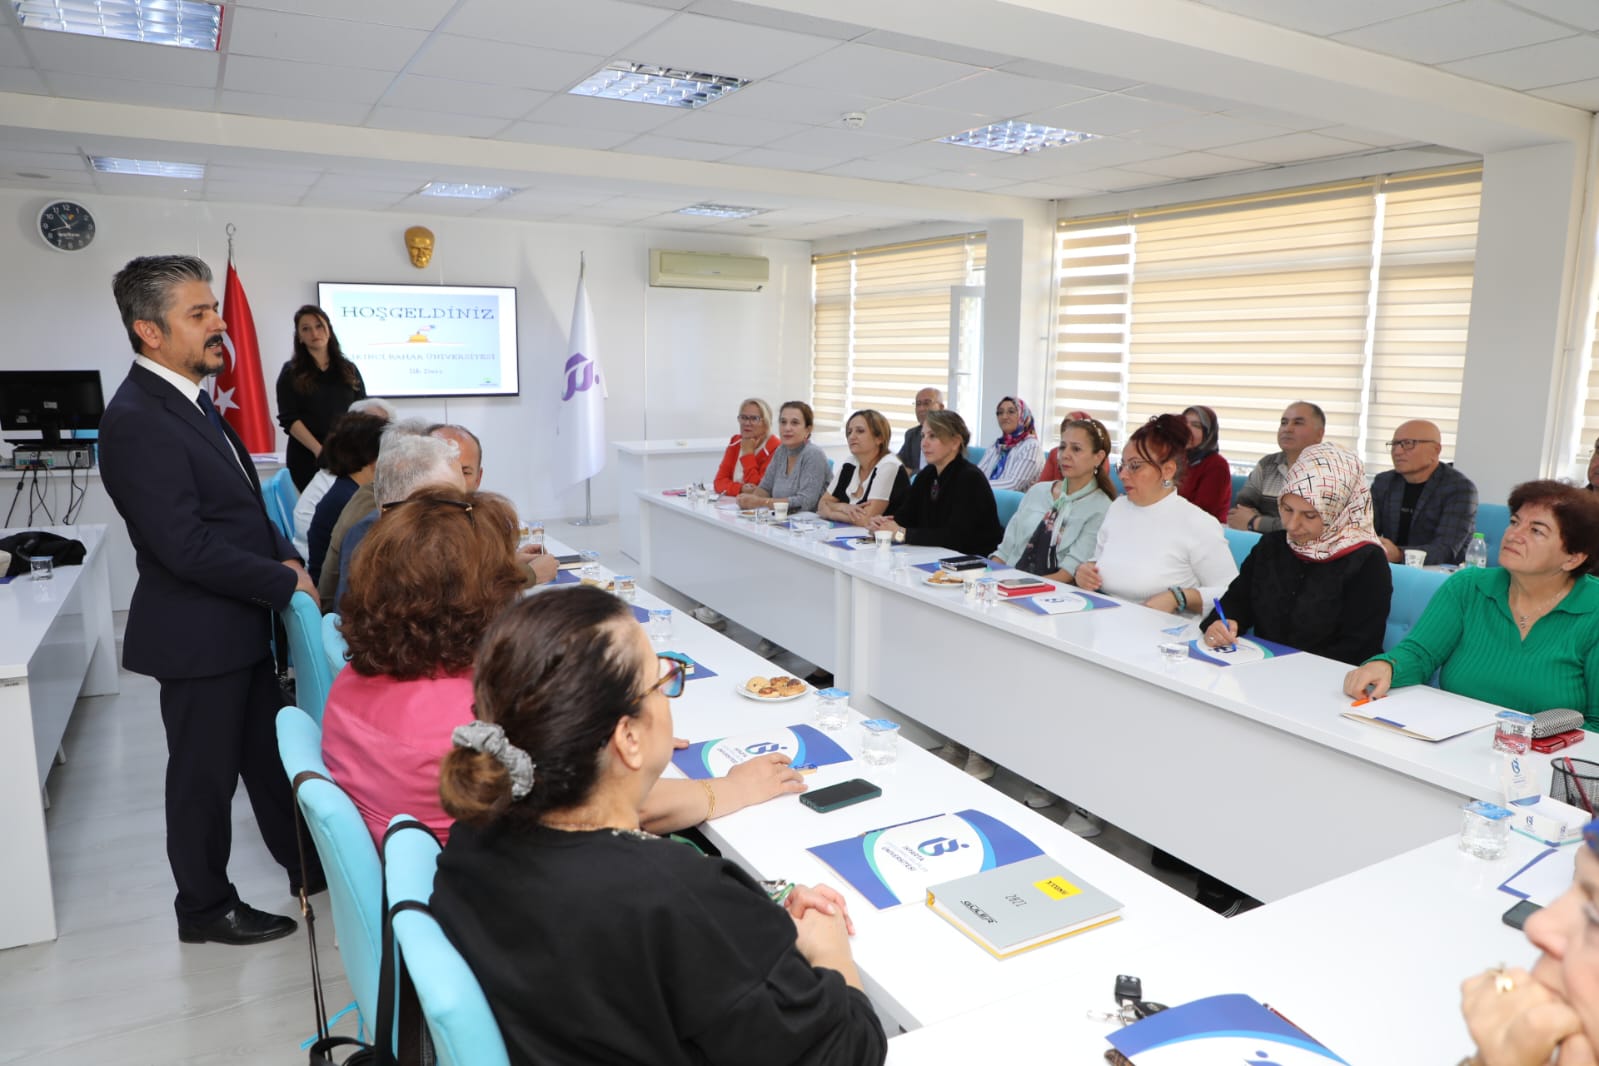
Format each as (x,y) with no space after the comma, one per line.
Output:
(312,678)
(458,1017)
(1492,521)
(355,877)
(1116,478)
(1239,480)
(975,452)
(334,648)
(281,496)
(1007,500)
(1413,588)
(1241,542)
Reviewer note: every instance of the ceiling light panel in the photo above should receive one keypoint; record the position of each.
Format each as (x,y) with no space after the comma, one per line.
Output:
(180,23)
(464,191)
(721,210)
(150,168)
(1017,138)
(664,86)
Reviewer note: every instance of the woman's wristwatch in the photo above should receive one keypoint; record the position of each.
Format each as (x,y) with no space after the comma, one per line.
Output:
(899,535)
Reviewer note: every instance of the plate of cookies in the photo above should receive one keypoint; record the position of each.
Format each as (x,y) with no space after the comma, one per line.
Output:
(944,579)
(779,689)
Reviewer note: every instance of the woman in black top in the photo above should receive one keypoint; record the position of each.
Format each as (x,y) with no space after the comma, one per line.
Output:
(316,385)
(950,503)
(595,941)
(1321,583)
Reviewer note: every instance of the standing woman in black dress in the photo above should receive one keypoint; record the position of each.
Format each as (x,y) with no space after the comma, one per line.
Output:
(317,385)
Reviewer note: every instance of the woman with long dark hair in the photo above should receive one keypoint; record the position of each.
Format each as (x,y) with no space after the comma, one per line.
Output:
(316,385)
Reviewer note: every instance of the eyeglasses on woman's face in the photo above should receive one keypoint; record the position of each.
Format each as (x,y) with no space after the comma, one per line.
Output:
(674,672)
(1132,466)
(749,420)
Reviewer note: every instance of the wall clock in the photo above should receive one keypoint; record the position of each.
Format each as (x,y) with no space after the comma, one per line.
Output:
(66,226)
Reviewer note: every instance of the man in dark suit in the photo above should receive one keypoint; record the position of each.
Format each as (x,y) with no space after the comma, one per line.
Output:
(910,451)
(212,569)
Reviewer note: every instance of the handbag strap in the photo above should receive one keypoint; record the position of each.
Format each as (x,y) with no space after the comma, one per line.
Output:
(308,912)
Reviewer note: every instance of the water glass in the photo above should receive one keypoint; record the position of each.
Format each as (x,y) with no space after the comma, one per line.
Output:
(533,534)
(626,588)
(1485,831)
(591,566)
(884,539)
(780,510)
(879,742)
(763,515)
(832,709)
(660,628)
(1173,651)
(1415,557)
(1512,732)
(969,587)
(988,591)
(42,568)
(899,561)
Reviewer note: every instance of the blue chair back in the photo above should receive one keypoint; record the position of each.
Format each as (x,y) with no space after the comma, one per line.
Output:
(1413,588)
(1116,478)
(312,678)
(1007,500)
(1239,481)
(334,648)
(1241,542)
(1492,521)
(281,496)
(355,878)
(975,452)
(457,1013)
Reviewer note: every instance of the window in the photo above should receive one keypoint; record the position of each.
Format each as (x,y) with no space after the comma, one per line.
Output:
(1353,296)
(880,328)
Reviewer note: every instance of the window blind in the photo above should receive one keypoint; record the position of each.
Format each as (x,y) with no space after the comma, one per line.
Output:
(881,328)
(1353,296)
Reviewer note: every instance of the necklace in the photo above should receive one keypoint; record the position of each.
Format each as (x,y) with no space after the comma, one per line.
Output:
(1525,618)
(589,827)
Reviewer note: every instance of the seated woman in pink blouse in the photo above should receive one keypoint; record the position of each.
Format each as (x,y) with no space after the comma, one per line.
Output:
(436,570)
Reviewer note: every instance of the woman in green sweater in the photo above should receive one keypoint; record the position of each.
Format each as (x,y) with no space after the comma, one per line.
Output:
(1523,635)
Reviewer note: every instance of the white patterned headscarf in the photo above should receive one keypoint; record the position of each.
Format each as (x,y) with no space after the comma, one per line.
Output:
(1333,482)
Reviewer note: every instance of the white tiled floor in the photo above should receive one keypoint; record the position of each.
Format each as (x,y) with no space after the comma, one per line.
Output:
(117,989)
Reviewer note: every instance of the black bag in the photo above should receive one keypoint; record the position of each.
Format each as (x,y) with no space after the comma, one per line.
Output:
(37,544)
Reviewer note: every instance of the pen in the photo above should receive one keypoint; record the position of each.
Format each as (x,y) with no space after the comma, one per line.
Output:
(1361,702)
(1221,614)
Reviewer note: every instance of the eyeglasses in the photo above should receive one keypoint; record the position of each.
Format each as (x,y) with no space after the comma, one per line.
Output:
(674,672)
(1407,443)
(461,505)
(1132,466)
(749,418)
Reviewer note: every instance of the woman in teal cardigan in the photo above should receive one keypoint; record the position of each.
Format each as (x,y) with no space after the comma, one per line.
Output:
(1523,635)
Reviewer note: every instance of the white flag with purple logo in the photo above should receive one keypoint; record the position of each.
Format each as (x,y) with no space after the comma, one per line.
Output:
(580,423)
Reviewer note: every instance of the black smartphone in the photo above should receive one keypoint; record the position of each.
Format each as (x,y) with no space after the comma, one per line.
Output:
(843,794)
(1517,916)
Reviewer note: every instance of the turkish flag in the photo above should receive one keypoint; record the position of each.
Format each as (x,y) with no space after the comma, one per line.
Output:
(239,391)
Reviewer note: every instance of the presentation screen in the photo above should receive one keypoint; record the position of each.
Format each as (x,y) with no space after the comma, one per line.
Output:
(426,340)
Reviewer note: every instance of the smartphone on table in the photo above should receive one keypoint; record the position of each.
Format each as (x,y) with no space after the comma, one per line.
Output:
(843,794)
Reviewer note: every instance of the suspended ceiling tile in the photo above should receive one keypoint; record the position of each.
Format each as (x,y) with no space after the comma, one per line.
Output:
(1000,94)
(11,53)
(1536,65)
(1194,165)
(504,63)
(1208,131)
(416,120)
(593,27)
(343,113)
(299,177)
(252,192)
(122,91)
(949,179)
(1088,79)
(708,124)
(879,170)
(21,80)
(772,18)
(772,159)
(716,46)
(1583,94)
(1321,17)
(879,72)
(1112,113)
(838,143)
(674,148)
(793,103)
(314,81)
(462,97)
(917,123)
(132,60)
(1582,14)
(587,112)
(1295,147)
(414,14)
(1455,31)
(310,39)
(564,136)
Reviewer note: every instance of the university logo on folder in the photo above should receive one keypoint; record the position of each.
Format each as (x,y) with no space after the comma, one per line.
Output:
(897,863)
(714,758)
(1220,1029)
(1248,650)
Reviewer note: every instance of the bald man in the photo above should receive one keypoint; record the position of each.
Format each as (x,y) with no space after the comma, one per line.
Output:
(1423,502)
(910,452)
(471,452)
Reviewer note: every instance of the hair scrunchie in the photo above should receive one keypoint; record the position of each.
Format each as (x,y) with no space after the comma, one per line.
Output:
(489,738)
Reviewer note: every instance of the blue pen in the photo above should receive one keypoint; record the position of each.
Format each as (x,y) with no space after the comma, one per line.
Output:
(1222,615)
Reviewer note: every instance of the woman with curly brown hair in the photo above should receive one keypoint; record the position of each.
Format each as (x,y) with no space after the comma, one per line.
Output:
(437,568)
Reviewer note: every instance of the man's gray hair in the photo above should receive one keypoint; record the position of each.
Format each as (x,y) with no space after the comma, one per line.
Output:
(376,405)
(410,459)
(450,427)
(143,289)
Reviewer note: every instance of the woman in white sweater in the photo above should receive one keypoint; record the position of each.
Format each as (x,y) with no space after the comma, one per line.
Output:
(1155,547)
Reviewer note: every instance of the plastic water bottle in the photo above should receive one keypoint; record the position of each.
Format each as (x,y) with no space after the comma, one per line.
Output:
(1477,551)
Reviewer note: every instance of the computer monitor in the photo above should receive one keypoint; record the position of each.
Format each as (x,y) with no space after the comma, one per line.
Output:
(50,402)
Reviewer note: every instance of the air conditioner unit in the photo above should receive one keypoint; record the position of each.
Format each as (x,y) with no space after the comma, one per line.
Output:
(708,270)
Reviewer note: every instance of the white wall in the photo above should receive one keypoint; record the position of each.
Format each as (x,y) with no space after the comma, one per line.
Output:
(678,361)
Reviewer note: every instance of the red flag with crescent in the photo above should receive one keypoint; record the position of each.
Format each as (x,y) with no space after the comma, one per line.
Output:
(239,391)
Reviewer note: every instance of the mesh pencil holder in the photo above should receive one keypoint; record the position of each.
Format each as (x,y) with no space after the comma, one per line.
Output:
(1575,781)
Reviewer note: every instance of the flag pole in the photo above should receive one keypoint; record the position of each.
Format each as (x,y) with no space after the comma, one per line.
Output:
(588,518)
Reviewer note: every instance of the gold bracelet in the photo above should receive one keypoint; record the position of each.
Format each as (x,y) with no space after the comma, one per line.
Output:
(710,796)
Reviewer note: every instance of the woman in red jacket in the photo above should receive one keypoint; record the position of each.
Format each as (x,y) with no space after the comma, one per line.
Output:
(744,462)
(1208,482)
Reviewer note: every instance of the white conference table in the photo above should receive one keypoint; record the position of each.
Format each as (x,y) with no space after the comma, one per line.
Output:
(1370,964)
(58,645)
(917,968)
(1224,767)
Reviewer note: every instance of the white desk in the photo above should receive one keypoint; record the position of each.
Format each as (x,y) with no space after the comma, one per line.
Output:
(1370,964)
(917,968)
(58,644)
(1081,705)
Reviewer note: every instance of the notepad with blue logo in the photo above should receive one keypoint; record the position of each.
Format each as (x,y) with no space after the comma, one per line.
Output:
(896,864)
(1247,650)
(1063,602)
(801,743)
(1219,1029)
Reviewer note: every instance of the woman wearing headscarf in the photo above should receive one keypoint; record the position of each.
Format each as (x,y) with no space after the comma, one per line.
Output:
(1016,458)
(1321,583)
(1208,484)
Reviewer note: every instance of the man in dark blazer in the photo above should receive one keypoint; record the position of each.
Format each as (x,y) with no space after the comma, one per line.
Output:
(910,450)
(212,569)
